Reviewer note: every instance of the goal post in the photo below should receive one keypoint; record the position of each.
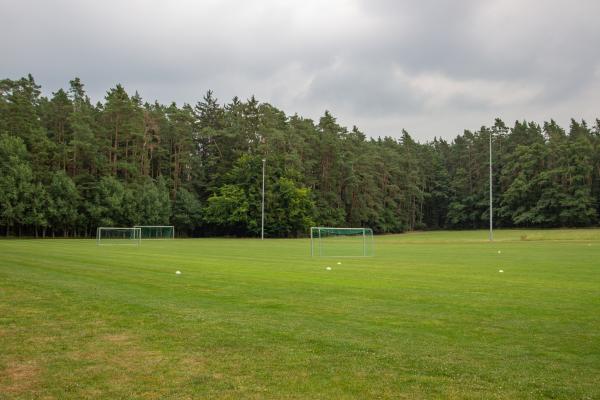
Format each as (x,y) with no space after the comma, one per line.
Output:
(118,236)
(157,232)
(341,242)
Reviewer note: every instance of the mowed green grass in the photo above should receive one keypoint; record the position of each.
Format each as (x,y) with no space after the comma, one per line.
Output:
(430,316)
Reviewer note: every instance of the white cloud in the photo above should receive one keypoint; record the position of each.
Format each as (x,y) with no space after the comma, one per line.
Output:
(439,91)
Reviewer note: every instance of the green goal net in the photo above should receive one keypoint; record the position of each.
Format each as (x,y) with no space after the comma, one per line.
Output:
(341,242)
(157,231)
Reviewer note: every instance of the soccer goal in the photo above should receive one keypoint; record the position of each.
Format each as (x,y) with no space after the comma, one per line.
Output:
(157,231)
(341,242)
(123,236)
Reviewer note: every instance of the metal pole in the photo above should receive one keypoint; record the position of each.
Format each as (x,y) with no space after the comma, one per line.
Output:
(364,243)
(320,245)
(491,204)
(262,223)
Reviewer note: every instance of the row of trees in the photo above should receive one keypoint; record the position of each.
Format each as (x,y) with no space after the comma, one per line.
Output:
(68,166)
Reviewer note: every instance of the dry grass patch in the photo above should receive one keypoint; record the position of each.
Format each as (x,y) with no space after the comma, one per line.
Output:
(118,338)
(120,352)
(19,377)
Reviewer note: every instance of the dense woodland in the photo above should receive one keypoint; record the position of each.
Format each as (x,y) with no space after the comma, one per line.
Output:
(68,166)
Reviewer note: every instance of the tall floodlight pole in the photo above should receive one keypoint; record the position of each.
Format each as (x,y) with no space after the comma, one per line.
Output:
(262,221)
(491,205)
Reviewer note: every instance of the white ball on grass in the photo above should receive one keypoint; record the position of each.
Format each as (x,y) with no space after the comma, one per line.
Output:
(500,270)
(178,272)
(339,263)
(328,268)
(499,251)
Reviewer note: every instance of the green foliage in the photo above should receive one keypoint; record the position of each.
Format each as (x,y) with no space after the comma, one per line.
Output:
(187,213)
(108,208)
(63,201)
(125,162)
(151,202)
(16,185)
(228,209)
(290,209)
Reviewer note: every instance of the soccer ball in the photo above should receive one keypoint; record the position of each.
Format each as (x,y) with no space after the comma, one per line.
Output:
(328,268)
(178,272)
(501,270)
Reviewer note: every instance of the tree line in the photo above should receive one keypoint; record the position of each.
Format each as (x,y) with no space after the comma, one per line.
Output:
(68,166)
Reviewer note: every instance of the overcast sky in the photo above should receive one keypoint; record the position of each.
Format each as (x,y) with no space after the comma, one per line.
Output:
(433,68)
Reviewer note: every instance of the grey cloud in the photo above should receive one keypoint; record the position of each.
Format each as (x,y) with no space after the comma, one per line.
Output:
(400,64)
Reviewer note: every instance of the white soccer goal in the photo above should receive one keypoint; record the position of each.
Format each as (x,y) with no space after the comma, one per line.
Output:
(157,231)
(118,236)
(341,242)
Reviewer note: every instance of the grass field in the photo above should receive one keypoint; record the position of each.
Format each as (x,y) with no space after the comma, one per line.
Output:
(430,316)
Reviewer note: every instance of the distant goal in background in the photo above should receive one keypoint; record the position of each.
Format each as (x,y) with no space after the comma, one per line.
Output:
(341,242)
(118,236)
(157,232)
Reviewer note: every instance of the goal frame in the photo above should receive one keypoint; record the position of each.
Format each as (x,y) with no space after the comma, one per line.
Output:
(158,226)
(136,241)
(319,229)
